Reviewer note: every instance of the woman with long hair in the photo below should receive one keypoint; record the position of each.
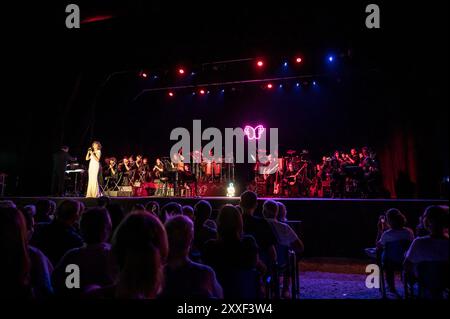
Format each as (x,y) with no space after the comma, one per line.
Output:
(93,156)
(15,266)
(140,247)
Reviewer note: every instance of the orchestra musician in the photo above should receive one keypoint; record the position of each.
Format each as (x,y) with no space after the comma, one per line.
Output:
(126,168)
(60,160)
(111,169)
(144,169)
(158,169)
(337,180)
(138,162)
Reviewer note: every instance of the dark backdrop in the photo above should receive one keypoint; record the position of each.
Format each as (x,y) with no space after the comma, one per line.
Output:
(388,89)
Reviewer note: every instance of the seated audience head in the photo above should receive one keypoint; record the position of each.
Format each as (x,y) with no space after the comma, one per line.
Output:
(140,246)
(7,204)
(95,225)
(248,202)
(270,209)
(15,265)
(43,210)
(152,207)
(69,212)
(202,212)
(395,218)
(52,208)
(116,214)
(435,219)
(180,232)
(103,201)
(138,208)
(29,213)
(229,223)
(188,211)
(282,212)
(170,209)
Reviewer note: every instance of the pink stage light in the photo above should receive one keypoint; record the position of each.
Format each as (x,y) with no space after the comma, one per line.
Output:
(181,71)
(254,133)
(298,60)
(269,85)
(171,94)
(260,63)
(202,92)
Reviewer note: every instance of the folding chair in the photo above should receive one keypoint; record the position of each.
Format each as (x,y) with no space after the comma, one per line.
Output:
(391,258)
(433,279)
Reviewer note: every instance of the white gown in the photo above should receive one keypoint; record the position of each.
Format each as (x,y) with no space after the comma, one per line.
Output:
(93,189)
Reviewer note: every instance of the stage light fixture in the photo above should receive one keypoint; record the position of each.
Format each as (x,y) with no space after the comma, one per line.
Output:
(143,74)
(281,86)
(202,91)
(260,63)
(269,85)
(330,58)
(297,84)
(285,64)
(298,60)
(171,94)
(181,71)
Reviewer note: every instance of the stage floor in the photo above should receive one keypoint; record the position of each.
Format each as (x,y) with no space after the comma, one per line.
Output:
(329,227)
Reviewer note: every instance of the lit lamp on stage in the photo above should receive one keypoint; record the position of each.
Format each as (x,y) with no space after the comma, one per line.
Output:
(230,190)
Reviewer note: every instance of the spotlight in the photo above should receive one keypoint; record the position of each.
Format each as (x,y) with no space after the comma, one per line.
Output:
(192,73)
(155,77)
(208,92)
(281,85)
(193,93)
(181,71)
(260,63)
(269,85)
(297,84)
(285,64)
(202,91)
(223,91)
(231,191)
(314,83)
(330,58)
(143,75)
(171,94)
(298,60)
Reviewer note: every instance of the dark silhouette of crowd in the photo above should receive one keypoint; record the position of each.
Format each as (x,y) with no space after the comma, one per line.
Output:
(176,251)
(172,251)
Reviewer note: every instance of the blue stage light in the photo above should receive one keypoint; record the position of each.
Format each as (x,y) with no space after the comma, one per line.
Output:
(330,58)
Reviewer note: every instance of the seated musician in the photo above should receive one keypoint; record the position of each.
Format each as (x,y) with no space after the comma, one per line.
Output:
(138,162)
(354,157)
(337,180)
(145,169)
(290,183)
(158,169)
(127,170)
(111,170)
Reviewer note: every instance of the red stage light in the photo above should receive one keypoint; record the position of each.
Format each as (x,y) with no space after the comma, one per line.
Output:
(170,94)
(202,92)
(143,74)
(269,86)
(181,71)
(260,63)
(298,60)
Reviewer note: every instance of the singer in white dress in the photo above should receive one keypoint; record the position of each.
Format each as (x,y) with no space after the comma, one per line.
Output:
(93,156)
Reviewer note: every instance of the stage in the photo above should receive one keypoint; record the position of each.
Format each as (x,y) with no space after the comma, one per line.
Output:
(329,227)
